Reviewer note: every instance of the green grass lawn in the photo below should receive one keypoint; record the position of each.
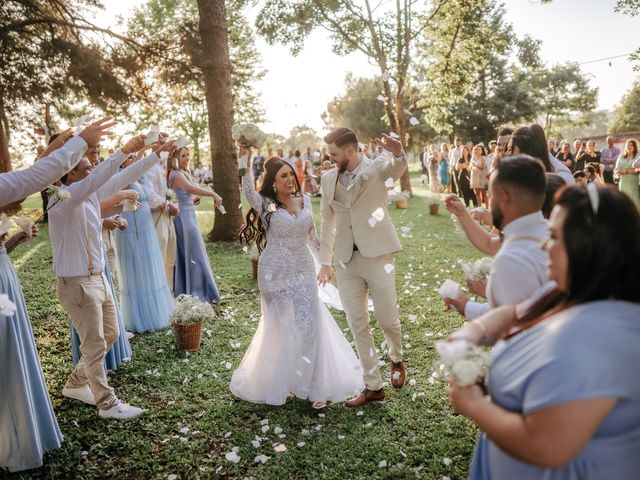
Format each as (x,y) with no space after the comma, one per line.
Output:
(193,419)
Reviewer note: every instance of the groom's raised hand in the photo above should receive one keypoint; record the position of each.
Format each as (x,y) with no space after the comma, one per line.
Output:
(325,275)
(391,144)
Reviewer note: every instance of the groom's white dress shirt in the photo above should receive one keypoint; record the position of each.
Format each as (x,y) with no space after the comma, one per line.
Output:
(22,183)
(520,267)
(75,225)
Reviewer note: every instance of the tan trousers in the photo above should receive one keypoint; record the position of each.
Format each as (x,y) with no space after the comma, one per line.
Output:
(110,246)
(91,309)
(167,240)
(359,278)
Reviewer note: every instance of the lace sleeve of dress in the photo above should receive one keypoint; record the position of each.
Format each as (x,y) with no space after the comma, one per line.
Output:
(249,191)
(312,238)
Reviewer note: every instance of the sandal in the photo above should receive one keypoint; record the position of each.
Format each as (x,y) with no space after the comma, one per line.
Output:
(319,405)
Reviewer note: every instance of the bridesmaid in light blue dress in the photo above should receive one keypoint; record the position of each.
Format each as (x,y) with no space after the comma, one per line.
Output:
(28,426)
(145,299)
(193,272)
(121,350)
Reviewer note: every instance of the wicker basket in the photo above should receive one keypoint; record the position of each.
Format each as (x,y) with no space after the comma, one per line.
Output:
(254,263)
(401,203)
(434,208)
(187,336)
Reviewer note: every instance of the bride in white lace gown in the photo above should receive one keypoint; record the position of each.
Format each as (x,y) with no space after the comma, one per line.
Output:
(298,349)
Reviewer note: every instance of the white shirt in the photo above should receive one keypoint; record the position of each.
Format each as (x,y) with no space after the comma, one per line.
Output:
(562,170)
(158,182)
(22,183)
(75,225)
(520,267)
(347,177)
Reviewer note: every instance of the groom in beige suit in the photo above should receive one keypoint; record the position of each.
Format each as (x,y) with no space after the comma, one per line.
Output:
(357,231)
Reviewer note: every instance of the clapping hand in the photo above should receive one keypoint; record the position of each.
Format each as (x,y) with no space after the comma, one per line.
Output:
(390,144)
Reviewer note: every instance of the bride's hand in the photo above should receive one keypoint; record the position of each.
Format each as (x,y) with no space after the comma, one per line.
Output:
(325,275)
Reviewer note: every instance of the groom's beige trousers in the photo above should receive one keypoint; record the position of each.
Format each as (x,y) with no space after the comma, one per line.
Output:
(358,279)
(167,240)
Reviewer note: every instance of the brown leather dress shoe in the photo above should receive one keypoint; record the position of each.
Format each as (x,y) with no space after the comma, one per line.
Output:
(397,374)
(367,396)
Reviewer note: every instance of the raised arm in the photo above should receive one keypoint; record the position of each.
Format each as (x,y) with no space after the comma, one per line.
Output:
(397,164)
(17,185)
(478,236)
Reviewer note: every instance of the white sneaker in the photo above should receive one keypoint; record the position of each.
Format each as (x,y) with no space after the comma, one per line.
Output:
(130,335)
(121,411)
(84,394)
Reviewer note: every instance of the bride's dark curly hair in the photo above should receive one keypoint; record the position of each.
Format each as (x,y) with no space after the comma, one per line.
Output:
(255,230)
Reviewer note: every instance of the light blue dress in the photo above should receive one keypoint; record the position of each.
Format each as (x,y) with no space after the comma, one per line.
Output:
(145,299)
(193,272)
(28,426)
(588,351)
(119,351)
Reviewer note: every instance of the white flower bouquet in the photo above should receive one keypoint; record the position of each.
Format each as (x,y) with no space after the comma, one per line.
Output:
(170,195)
(25,224)
(188,310)
(465,363)
(247,135)
(478,270)
(449,289)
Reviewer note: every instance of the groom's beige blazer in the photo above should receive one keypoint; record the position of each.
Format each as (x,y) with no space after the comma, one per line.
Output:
(345,216)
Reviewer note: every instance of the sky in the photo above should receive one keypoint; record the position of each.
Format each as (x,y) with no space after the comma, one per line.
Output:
(296,90)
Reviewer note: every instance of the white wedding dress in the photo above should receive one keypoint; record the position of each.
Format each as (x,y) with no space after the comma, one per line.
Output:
(298,349)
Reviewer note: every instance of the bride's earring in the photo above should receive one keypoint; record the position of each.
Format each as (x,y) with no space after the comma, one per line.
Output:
(274,188)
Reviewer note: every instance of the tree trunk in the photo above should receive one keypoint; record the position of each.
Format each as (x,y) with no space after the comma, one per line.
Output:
(405,180)
(5,158)
(216,68)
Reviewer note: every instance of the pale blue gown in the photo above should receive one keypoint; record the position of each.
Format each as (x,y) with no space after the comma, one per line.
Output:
(193,271)
(119,351)
(28,426)
(145,299)
(588,351)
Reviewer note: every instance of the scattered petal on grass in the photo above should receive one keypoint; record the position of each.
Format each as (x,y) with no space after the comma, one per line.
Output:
(382,464)
(446,461)
(232,457)
(277,430)
(389,268)
(261,459)
(280,448)
(360,413)
(265,428)
(301,444)
(173,476)
(412,382)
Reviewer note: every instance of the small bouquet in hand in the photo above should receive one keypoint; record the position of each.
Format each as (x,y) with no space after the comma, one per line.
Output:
(247,135)
(26,225)
(170,195)
(464,362)
(478,270)
(449,289)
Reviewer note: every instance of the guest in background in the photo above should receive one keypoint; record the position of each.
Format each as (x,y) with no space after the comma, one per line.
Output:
(310,186)
(434,164)
(144,294)
(464,185)
(478,174)
(566,157)
(627,172)
(608,158)
(193,274)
